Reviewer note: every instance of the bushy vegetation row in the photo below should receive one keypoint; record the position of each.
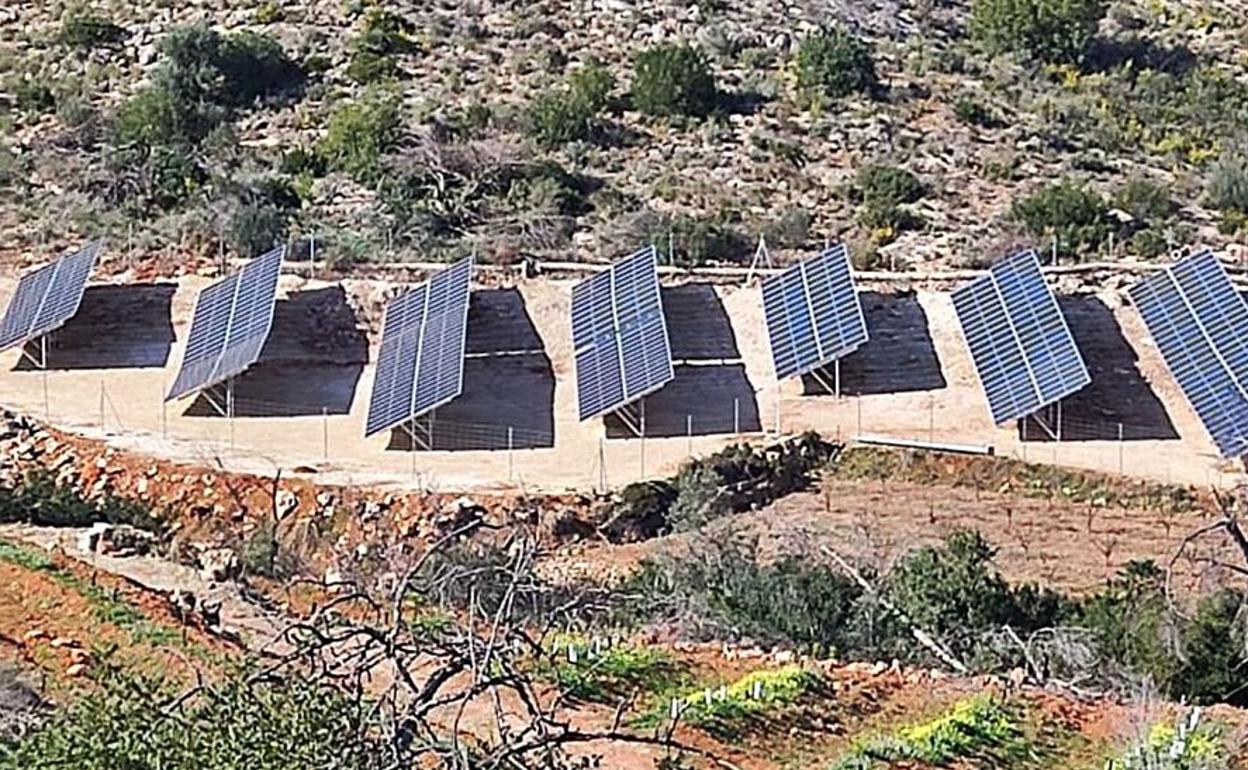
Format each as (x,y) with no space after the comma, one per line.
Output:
(738,478)
(1124,633)
(40,500)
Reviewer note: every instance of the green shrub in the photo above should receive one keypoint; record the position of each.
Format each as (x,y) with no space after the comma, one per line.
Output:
(154,118)
(673,79)
(1228,185)
(83,28)
(383,36)
(886,185)
(972,112)
(560,116)
(1076,216)
(1127,619)
(699,499)
(832,64)
(954,592)
(790,230)
(1147,202)
(236,720)
(1211,663)
(359,134)
(1048,30)
(613,672)
(200,66)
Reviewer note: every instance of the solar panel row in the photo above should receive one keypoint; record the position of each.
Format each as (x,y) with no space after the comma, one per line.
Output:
(230,325)
(1200,324)
(813,313)
(48,297)
(1018,339)
(620,335)
(421,362)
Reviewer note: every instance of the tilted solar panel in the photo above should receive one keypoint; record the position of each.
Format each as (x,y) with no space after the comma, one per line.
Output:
(48,297)
(813,313)
(1018,339)
(622,350)
(230,325)
(420,365)
(1200,325)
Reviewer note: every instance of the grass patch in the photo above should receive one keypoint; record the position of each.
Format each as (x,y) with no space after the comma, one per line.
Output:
(728,710)
(1010,476)
(606,674)
(105,604)
(978,727)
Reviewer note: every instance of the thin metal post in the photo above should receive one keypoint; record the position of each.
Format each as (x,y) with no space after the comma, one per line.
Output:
(602,464)
(736,416)
(689,434)
(1024,430)
(411,437)
(229,408)
(931,419)
(858,405)
(1121,447)
(643,438)
(511,445)
(102,428)
(47,402)
(836,367)
(1059,422)
(325,432)
(777,411)
(164,414)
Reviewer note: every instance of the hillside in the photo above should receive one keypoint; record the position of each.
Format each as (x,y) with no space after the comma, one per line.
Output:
(513,129)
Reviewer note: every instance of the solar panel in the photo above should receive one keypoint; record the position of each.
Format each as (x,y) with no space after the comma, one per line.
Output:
(421,362)
(620,335)
(1200,325)
(813,313)
(230,325)
(48,297)
(1018,339)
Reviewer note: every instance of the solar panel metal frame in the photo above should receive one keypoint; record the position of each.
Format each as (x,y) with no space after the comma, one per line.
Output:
(813,313)
(1209,364)
(402,359)
(231,323)
(619,335)
(1018,339)
(46,298)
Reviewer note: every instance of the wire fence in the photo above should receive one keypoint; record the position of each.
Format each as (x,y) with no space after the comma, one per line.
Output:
(618,455)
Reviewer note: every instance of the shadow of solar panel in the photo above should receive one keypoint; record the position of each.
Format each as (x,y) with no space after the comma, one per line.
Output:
(420,365)
(813,314)
(48,297)
(1018,339)
(230,324)
(622,350)
(1198,321)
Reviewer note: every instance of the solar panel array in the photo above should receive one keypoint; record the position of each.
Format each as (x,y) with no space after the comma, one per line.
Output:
(813,313)
(1018,339)
(230,325)
(620,335)
(1200,324)
(48,297)
(421,362)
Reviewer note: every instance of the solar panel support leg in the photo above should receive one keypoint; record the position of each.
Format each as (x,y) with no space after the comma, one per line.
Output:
(42,361)
(630,421)
(833,389)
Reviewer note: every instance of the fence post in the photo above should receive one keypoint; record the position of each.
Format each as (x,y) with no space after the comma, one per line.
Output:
(1121,447)
(643,440)
(689,434)
(736,416)
(510,446)
(325,433)
(858,406)
(103,429)
(164,415)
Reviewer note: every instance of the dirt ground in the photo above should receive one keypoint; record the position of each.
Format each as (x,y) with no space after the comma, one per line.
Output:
(303,405)
(1073,547)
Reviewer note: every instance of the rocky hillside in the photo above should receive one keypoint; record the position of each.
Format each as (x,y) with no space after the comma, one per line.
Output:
(919,131)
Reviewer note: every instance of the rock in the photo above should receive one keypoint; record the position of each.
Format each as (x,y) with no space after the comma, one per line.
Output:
(76,670)
(287,503)
(218,565)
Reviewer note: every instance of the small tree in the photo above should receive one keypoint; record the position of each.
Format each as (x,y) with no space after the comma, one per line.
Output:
(832,64)
(1228,192)
(1076,216)
(560,116)
(1048,30)
(673,79)
(359,134)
